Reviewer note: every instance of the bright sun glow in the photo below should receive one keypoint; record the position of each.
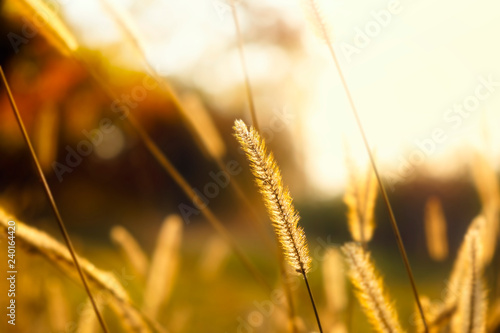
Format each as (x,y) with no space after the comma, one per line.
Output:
(424,75)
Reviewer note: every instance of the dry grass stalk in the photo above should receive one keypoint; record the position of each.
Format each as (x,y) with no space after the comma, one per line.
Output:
(454,288)
(278,202)
(319,24)
(50,197)
(334,281)
(164,265)
(485,178)
(486,181)
(48,23)
(370,290)
(202,121)
(470,316)
(360,197)
(435,230)
(39,243)
(130,321)
(131,250)
(460,266)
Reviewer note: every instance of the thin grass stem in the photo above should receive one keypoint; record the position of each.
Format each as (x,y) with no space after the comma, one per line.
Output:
(394,224)
(312,301)
(48,192)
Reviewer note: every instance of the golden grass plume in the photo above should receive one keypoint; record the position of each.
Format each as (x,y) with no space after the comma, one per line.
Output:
(461,264)
(486,181)
(164,265)
(370,290)
(360,197)
(317,18)
(435,229)
(131,250)
(276,197)
(470,316)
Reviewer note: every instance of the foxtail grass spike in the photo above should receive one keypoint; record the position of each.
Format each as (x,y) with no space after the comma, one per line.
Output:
(486,181)
(470,316)
(276,198)
(53,205)
(278,202)
(370,290)
(458,273)
(360,197)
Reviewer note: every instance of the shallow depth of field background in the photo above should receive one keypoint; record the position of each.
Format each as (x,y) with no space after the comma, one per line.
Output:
(409,77)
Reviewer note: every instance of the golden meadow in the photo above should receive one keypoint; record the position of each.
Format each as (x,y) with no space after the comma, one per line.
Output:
(242,264)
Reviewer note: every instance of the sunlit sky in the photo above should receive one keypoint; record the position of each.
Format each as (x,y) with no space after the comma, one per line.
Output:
(409,75)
